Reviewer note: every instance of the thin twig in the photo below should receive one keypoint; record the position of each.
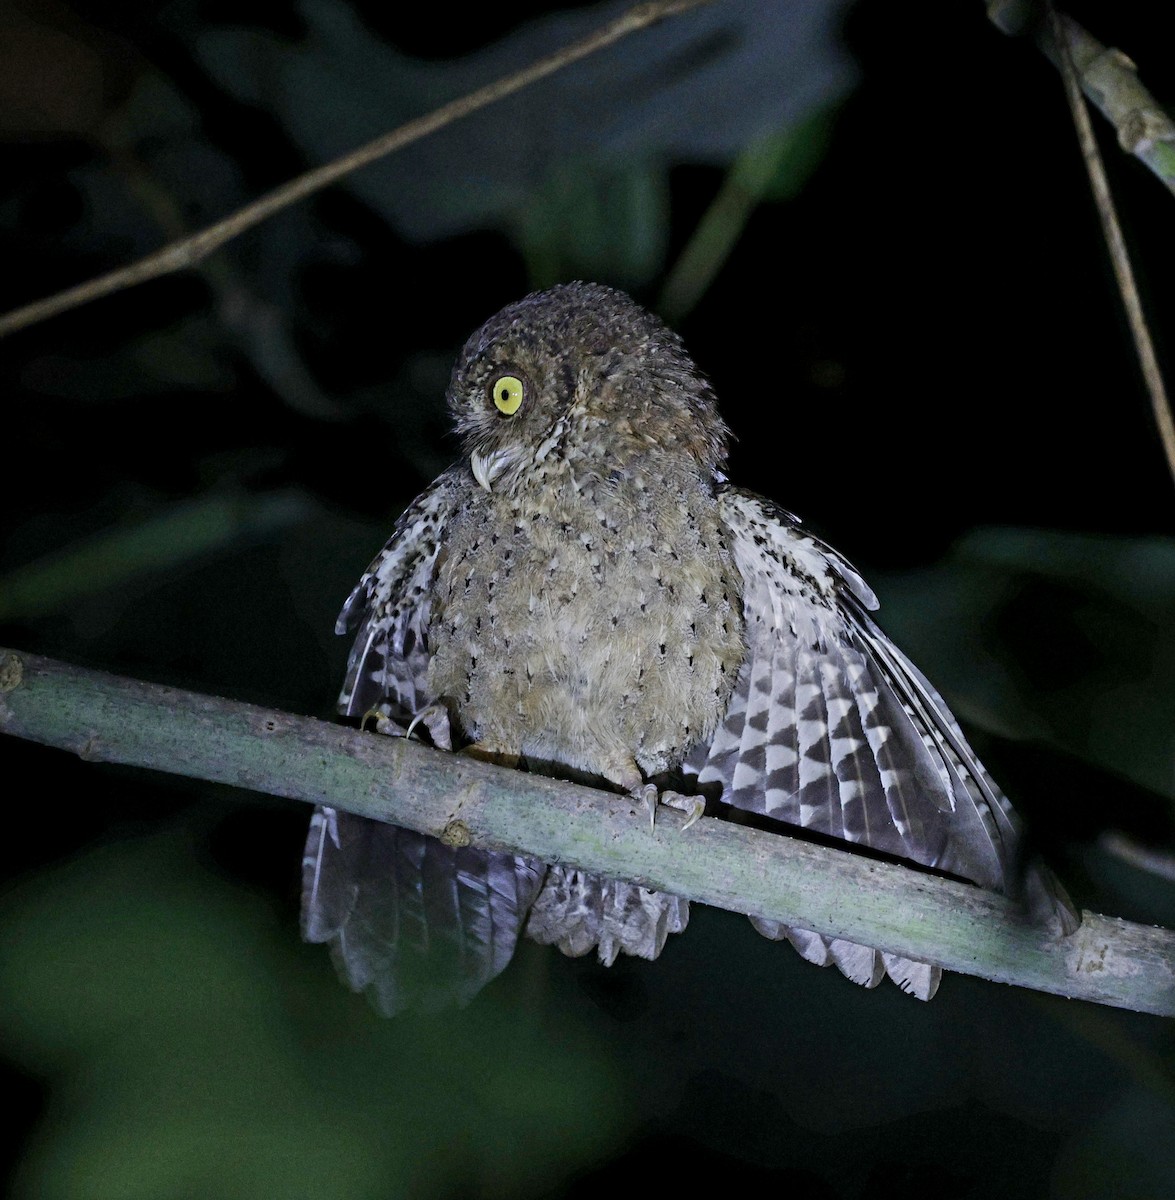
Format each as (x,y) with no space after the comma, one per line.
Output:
(190,250)
(1141,857)
(259,327)
(1110,81)
(837,893)
(1109,78)
(1115,242)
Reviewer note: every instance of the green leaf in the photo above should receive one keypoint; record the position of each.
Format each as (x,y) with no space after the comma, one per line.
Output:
(190,1046)
(116,557)
(1064,637)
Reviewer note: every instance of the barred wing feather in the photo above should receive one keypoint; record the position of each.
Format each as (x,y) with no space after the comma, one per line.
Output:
(833,729)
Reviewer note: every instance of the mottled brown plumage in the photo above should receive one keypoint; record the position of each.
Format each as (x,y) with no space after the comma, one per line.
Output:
(585,595)
(587,613)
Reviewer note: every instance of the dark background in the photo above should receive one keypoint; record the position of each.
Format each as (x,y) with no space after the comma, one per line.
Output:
(916,340)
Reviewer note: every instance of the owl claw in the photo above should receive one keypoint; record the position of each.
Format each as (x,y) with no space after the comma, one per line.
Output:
(383,723)
(435,718)
(692,806)
(648,794)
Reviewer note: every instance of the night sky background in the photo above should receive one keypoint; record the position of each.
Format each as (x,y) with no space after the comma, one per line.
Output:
(916,340)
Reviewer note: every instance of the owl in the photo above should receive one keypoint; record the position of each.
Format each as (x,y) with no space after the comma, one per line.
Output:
(584,594)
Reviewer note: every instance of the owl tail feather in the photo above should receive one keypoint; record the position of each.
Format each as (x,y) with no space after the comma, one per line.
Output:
(411,922)
(861,964)
(579,912)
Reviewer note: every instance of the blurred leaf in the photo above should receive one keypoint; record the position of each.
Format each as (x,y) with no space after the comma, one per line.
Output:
(581,224)
(1063,637)
(58,73)
(118,556)
(696,88)
(1128,1153)
(773,168)
(191,1046)
(186,356)
(794,153)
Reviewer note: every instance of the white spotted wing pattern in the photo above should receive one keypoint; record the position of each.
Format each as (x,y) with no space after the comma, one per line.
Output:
(832,729)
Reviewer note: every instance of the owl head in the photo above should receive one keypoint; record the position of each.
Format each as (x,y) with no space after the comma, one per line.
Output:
(580,373)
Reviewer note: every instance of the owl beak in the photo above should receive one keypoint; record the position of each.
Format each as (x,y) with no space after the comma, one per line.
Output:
(487,467)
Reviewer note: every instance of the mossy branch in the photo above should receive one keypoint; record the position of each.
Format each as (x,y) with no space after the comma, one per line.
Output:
(111,719)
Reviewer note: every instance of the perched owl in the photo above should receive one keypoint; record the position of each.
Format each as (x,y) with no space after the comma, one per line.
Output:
(585,595)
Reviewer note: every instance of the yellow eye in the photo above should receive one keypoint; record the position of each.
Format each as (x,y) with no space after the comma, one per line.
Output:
(507,394)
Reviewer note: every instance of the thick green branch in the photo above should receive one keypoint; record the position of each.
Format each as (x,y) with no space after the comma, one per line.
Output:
(107,718)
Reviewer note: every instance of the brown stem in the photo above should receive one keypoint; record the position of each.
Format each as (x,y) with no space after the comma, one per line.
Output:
(190,250)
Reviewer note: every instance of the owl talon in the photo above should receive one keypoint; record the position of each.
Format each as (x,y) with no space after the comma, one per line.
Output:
(435,718)
(648,794)
(692,806)
(383,723)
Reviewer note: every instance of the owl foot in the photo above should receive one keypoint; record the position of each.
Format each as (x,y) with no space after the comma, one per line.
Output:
(435,718)
(692,806)
(486,753)
(383,723)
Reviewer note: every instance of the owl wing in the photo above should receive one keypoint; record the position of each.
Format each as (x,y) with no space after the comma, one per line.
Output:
(409,920)
(832,728)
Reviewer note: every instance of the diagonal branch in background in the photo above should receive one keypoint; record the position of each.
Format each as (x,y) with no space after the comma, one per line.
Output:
(1110,80)
(189,251)
(466,802)
(1064,33)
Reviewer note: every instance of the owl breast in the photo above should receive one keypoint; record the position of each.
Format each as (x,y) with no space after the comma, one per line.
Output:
(588,628)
